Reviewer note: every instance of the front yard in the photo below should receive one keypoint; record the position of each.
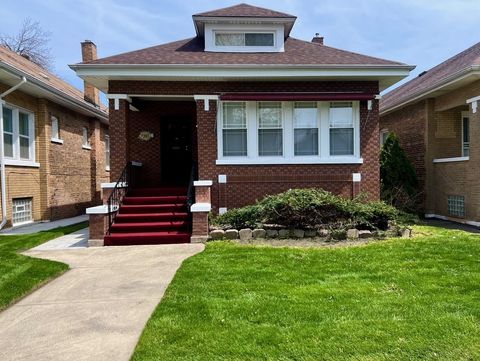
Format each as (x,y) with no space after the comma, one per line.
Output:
(19,274)
(400,299)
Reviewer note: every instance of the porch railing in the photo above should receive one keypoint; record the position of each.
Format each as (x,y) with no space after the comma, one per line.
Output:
(191,188)
(124,184)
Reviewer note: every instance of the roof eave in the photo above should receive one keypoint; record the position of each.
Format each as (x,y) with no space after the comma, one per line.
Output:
(417,96)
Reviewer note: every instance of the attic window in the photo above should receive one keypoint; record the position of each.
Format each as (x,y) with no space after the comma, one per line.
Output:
(244,39)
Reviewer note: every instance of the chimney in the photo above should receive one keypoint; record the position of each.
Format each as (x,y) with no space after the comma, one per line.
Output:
(89,53)
(317,39)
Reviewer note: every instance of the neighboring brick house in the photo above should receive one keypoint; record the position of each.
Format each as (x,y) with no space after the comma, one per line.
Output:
(435,117)
(53,143)
(255,110)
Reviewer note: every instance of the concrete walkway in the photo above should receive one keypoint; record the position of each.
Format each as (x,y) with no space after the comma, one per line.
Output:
(44,226)
(78,239)
(95,311)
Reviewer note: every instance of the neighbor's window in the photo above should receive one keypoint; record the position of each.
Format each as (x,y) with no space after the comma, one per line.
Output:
(234,130)
(244,39)
(270,129)
(465,137)
(341,128)
(86,140)
(384,133)
(55,128)
(305,132)
(456,206)
(22,211)
(18,134)
(107,152)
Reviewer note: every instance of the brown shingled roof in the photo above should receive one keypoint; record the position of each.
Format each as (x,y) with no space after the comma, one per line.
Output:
(19,62)
(432,78)
(245,10)
(191,51)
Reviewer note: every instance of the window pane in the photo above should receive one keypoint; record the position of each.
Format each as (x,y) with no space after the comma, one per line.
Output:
(306,141)
(270,142)
(305,115)
(466,130)
(234,115)
(24,148)
(270,115)
(23,124)
(341,141)
(55,128)
(341,115)
(8,145)
(7,120)
(258,39)
(225,39)
(234,142)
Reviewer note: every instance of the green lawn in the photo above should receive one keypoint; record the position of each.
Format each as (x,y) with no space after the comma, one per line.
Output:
(19,274)
(402,299)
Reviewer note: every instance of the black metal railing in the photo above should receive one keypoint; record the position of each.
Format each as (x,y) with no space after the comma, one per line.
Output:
(124,184)
(191,188)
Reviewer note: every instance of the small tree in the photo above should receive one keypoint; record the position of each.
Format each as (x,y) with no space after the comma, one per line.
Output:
(31,42)
(399,183)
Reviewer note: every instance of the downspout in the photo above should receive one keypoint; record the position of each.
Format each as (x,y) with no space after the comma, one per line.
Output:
(2,160)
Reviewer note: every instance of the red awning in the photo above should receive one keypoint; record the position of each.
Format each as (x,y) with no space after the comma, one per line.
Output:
(296,96)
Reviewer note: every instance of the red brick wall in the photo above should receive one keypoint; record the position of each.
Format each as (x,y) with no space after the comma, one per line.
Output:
(245,184)
(409,123)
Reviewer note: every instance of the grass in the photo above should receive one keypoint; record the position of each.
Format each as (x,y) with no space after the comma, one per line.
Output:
(402,299)
(19,274)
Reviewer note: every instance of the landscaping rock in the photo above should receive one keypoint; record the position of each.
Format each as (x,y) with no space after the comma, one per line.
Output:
(245,234)
(298,233)
(272,233)
(231,234)
(259,233)
(352,233)
(365,234)
(217,234)
(310,233)
(323,233)
(406,233)
(283,233)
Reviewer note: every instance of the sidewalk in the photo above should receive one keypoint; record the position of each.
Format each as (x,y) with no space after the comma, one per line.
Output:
(44,226)
(95,311)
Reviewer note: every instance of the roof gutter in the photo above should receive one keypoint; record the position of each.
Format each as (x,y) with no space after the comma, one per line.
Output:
(459,75)
(91,109)
(2,158)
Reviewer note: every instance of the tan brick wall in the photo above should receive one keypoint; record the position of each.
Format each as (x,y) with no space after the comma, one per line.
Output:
(62,185)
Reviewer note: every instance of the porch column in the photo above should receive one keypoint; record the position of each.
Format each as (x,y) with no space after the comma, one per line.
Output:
(200,210)
(118,131)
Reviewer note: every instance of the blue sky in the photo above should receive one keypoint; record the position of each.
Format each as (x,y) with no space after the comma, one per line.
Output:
(418,32)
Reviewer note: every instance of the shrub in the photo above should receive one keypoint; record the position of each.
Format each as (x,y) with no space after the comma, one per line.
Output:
(399,183)
(312,208)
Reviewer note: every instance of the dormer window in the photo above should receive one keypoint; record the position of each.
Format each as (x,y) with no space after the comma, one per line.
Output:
(244,38)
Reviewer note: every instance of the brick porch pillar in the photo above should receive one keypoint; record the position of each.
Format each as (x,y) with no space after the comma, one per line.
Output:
(200,210)
(118,132)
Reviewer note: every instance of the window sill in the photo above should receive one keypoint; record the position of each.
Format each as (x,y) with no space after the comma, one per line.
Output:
(296,160)
(22,163)
(453,159)
(57,140)
(107,169)
(87,147)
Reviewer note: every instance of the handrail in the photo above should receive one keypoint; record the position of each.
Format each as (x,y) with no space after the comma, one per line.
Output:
(191,190)
(124,184)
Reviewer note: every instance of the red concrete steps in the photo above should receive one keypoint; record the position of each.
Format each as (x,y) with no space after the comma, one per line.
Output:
(151,216)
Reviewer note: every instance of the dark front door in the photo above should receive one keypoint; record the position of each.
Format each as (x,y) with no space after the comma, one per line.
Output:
(176,152)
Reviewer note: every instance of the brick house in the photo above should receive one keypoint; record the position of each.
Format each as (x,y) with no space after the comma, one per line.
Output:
(53,144)
(435,116)
(254,110)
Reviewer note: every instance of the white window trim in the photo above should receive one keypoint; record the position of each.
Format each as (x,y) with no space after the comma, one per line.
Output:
(53,139)
(382,133)
(107,166)
(288,157)
(277,30)
(86,142)
(449,160)
(464,115)
(16,160)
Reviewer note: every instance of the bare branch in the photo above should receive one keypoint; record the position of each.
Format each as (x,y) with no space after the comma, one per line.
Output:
(30,42)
